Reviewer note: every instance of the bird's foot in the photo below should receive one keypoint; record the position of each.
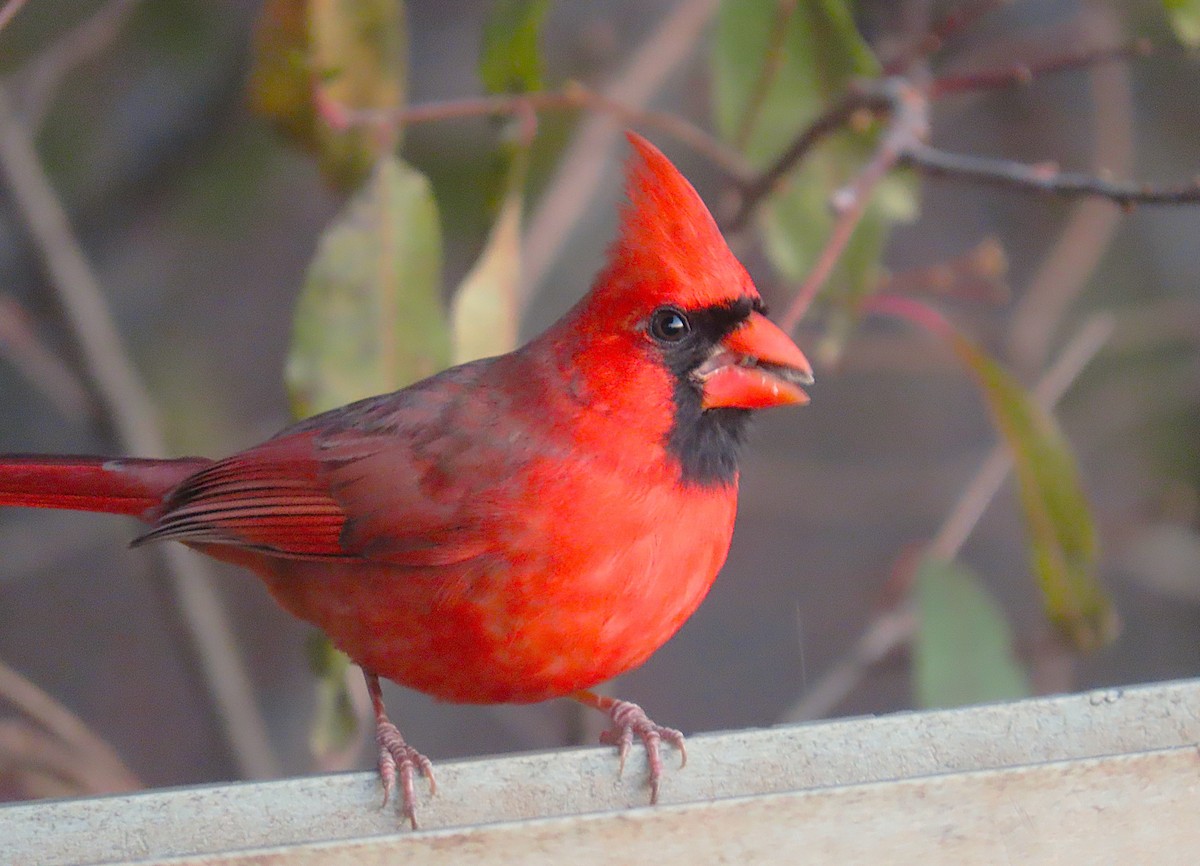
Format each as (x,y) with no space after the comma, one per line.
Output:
(629,721)
(398,761)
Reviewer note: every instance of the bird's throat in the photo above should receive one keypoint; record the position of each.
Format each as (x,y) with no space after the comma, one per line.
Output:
(705,442)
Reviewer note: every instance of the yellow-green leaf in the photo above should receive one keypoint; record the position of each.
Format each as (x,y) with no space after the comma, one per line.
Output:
(511,61)
(485,312)
(1057,514)
(317,62)
(369,319)
(360,52)
(1185,20)
(963,649)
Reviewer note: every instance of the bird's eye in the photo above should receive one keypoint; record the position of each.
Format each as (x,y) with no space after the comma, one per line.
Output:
(668,325)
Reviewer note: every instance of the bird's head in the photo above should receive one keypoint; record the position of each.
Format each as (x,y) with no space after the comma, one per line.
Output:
(675,323)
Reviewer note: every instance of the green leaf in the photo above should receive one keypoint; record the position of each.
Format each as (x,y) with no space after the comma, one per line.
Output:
(369,319)
(318,61)
(1057,515)
(1185,20)
(510,61)
(485,314)
(777,64)
(963,649)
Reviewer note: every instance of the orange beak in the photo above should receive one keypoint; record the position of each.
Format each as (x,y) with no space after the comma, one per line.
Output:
(755,366)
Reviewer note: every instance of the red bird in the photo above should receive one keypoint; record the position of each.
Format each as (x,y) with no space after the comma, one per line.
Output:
(510,530)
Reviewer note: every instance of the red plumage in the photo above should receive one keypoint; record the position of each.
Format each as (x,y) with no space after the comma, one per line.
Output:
(514,529)
(107,485)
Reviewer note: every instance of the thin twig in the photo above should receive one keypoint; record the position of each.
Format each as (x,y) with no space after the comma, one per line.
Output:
(957,21)
(965,514)
(42,368)
(680,128)
(127,403)
(1045,179)
(10,9)
(573,97)
(881,97)
(45,712)
(875,97)
(909,123)
(36,765)
(1025,73)
(37,83)
(894,627)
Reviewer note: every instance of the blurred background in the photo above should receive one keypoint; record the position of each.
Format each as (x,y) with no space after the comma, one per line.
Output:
(199,221)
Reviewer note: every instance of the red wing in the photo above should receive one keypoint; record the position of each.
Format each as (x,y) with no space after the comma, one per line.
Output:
(316,495)
(269,498)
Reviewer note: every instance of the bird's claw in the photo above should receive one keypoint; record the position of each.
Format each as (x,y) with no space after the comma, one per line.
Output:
(398,759)
(629,720)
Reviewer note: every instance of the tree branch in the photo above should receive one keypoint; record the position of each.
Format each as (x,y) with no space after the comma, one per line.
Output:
(9,11)
(960,19)
(38,81)
(909,123)
(874,97)
(1044,179)
(43,369)
(573,97)
(89,758)
(1025,73)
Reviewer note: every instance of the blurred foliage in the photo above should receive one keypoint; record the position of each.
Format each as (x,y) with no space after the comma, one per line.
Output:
(136,106)
(485,315)
(1185,20)
(369,319)
(1057,514)
(776,67)
(319,63)
(963,649)
(485,311)
(510,61)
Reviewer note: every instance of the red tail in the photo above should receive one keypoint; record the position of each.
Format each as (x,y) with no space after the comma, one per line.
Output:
(104,484)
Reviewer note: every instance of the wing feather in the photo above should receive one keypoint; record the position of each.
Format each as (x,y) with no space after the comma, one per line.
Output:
(394,479)
(270,498)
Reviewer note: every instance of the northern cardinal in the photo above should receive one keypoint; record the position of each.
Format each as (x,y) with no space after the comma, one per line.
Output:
(513,529)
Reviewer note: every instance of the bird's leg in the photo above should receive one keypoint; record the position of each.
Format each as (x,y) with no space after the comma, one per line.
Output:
(630,720)
(397,757)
